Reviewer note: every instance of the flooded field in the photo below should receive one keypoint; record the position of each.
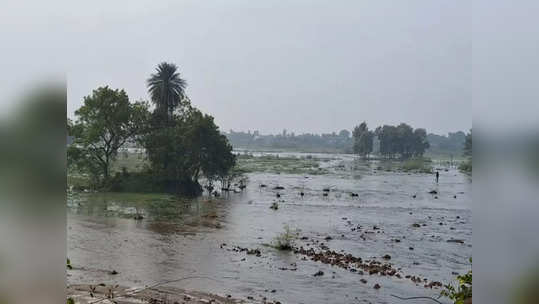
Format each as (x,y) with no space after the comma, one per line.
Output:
(393,219)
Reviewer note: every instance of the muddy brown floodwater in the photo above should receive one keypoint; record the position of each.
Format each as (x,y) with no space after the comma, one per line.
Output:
(394,219)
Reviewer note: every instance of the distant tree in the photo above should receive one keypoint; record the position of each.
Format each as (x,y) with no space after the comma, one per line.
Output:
(363,140)
(405,140)
(105,122)
(356,134)
(452,144)
(344,133)
(387,135)
(366,141)
(468,144)
(402,141)
(167,89)
(467,165)
(420,142)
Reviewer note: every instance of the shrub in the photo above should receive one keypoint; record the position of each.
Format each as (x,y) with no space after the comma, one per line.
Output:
(285,240)
(147,182)
(463,291)
(417,164)
(466,166)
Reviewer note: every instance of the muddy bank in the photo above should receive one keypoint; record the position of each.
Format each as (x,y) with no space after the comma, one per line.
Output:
(109,294)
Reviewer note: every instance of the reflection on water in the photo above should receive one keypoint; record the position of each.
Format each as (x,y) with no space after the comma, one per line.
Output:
(178,238)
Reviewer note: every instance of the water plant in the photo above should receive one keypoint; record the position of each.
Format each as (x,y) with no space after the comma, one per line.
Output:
(420,165)
(285,240)
(462,293)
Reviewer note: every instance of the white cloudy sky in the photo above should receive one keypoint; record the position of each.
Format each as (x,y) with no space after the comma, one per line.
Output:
(307,66)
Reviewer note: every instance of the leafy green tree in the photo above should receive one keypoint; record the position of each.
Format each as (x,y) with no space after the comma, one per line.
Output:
(356,134)
(402,141)
(344,134)
(363,140)
(387,135)
(466,166)
(468,144)
(189,145)
(105,122)
(211,152)
(420,142)
(167,89)
(188,148)
(69,126)
(366,141)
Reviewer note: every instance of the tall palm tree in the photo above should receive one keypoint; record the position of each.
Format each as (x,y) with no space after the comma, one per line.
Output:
(166,88)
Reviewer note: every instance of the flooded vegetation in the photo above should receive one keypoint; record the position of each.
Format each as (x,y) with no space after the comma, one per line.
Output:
(345,230)
(275,163)
(163,209)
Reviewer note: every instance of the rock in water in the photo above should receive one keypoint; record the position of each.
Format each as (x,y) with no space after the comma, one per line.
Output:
(319,273)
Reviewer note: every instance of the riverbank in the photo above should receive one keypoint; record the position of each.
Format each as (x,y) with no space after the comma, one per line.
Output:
(114,294)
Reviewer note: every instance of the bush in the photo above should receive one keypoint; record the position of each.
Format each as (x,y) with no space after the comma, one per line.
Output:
(418,165)
(285,240)
(463,291)
(147,182)
(466,166)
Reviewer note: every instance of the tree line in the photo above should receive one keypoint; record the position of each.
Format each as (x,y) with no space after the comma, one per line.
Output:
(361,141)
(329,142)
(181,143)
(400,141)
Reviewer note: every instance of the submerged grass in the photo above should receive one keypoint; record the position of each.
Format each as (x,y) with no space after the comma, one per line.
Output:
(128,205)
(276,164)
(420,165)
(415,165)
(134,163)
(466,166)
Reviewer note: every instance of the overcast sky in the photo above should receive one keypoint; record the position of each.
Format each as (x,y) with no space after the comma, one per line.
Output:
(304,66)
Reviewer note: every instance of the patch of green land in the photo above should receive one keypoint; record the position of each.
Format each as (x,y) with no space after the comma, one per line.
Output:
(275,164)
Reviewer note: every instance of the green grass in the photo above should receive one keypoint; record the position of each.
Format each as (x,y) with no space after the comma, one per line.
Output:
(274,164)
(466,166)
(420,165)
